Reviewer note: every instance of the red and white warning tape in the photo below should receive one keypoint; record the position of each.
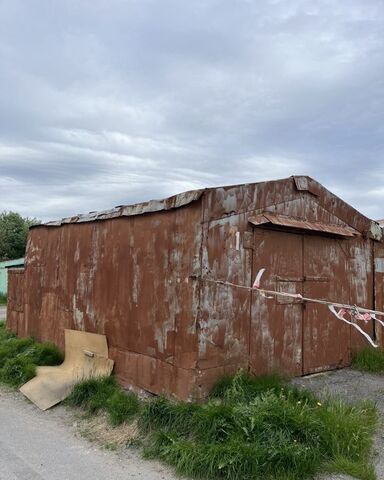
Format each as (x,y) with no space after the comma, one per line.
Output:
(340,310)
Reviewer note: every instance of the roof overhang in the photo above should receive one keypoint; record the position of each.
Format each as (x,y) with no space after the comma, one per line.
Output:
(170,203)
(302,225)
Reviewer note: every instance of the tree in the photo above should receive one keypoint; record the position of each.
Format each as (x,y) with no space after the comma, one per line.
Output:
(13,234)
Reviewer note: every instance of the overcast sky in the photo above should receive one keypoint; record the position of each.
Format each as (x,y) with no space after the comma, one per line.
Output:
(110,102)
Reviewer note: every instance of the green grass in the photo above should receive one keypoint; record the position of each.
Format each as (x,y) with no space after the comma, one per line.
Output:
(104,394)
(20,356)
(3,299)
(93,395)
(259,429)
(243,388)
(356,469)
(122,406)
(369,359)
(249,428)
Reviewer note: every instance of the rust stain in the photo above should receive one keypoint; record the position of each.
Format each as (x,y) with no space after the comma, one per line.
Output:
(142,275)
(286,221)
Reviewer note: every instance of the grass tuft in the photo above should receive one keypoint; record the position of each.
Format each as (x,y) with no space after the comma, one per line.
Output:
(92,395)
(105,394)
(354,468)
(122,407)
(369,359)
(242,388)
(20,356)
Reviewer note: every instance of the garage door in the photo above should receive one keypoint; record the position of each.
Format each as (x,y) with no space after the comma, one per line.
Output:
(288,335)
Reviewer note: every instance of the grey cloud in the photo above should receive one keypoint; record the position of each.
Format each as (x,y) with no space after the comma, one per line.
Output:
(111,102)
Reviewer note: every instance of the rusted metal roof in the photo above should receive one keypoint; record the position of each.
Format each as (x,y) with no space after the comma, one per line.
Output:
(176,201)
(286,221)
(222,201)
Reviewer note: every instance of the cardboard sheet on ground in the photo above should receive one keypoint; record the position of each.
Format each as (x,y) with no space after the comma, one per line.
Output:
(86,356)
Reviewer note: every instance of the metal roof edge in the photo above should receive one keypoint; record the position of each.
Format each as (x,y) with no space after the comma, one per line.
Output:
(169,203)
(372,228)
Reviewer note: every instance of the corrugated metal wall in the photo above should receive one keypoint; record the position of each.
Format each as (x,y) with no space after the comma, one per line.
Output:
(149,283)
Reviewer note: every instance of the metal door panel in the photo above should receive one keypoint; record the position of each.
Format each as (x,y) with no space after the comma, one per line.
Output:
(326,339)
(276,326)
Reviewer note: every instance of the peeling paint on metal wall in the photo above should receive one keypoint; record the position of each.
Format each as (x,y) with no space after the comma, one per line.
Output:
(224,316)
(280,341)
(276,329)
(326,343)
(15,307)
(144,276)
(378,295)
(128,278)
(361,284)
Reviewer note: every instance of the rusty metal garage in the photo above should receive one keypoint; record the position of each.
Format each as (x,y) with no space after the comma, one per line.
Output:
(148,276)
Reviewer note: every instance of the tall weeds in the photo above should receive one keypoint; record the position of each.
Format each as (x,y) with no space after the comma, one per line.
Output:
(259,428)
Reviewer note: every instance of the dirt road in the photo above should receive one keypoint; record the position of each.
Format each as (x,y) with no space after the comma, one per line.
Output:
(37,445)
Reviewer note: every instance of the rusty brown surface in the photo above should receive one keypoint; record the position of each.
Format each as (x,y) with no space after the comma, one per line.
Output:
(224,318)
(362,286)
(128,278)
(378,293)
(326,341)
(296,224)
(145,277)
(276,341)
(15,295)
